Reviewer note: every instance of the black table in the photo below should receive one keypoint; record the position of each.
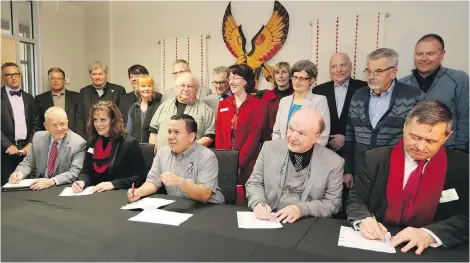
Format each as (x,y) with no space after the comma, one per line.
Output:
(322,240)
(41,226)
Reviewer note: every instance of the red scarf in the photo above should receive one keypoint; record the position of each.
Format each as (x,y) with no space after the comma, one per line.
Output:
(101,157)
(427,195)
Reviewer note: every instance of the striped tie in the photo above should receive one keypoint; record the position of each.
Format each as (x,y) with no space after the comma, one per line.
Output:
(52,159)
(298,162)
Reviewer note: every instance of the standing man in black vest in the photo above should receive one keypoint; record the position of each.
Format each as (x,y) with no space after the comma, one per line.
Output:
(101,89)
(19,120)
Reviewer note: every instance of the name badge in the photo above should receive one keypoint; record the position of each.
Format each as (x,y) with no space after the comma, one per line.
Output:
(91,150)
(448,196)
(224,109)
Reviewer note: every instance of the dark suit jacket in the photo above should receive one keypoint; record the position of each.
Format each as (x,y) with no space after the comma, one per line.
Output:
(127,165)
(8,121)
(89,96)
(73,108)
(338,123)
(368,195)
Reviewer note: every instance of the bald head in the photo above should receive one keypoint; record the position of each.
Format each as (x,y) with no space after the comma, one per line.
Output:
(340,68)
(304,130)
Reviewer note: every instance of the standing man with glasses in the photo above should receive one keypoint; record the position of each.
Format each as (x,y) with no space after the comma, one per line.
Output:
(187,103)
(221,86)
(19,120)
(377,112)
(181,66)
(63,98)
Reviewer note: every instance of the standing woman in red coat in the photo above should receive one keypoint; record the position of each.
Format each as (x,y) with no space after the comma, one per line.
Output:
(240,121)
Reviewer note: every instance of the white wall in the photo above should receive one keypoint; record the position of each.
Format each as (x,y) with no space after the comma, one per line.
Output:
(136,28)
(62,41)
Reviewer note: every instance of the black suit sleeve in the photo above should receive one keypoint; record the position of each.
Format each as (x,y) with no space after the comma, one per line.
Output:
(134,166)
(80,124)
(35,122)
(358,200)
(85,173)
(40,112)
(6,142)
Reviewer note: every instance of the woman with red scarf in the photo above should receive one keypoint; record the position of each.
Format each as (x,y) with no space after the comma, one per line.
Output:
(113,159)
(240,121)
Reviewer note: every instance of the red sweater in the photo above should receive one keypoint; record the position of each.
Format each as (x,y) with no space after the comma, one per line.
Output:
(250,123)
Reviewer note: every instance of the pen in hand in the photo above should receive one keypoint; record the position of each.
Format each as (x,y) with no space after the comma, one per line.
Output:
(375,219)
(75,182)
(133,189)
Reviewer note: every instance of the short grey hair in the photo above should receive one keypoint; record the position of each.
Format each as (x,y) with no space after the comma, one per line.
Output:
(181,61)
(388,53)
(54,110)
(194,79)
(220,69)
(306,65)
(98,65)
(431,112)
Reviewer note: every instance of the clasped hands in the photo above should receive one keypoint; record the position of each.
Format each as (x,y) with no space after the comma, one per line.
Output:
(416,237)
(288,214)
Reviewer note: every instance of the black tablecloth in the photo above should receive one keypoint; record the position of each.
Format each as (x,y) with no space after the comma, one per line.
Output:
(41,226)
(322,240)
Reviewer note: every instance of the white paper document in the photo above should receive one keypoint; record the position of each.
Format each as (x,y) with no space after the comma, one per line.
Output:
(248,220)
(25,183)
(147,203)
(158,216)
(68,192)
(348,237)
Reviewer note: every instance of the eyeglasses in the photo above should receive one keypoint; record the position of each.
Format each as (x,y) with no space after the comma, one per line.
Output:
(182,86)
(53,79)
(179,72)
(376,72)
(11,75)
(216,83)
(300,79)
(134,76)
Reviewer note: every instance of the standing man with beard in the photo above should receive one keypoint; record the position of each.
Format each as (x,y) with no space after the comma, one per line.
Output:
(377,112)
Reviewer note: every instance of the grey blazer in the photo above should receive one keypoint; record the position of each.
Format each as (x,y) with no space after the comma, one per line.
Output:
(318,102)
(69,160)
(323,193)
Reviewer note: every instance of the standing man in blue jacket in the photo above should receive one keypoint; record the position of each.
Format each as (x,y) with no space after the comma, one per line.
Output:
(446,85)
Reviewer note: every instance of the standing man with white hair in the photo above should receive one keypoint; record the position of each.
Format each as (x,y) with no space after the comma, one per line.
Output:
(100,89)
(187,103)
(56,155)
(377,112)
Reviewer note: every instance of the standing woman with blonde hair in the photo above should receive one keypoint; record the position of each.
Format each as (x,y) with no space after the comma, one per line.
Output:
(141,113)
(282,87)
(113,159)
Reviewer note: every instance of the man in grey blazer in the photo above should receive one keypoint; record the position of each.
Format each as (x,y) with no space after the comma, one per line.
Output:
(296,176)
(56,156)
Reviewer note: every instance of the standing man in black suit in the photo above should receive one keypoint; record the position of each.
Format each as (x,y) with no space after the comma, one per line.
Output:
(69,101)
(19,120)
(417,183)
(101,89)
(339,92)
(134,72)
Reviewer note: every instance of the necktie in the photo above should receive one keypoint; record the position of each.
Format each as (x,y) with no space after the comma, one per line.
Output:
(298,162)
(410,191)
(52,159)
(17,93)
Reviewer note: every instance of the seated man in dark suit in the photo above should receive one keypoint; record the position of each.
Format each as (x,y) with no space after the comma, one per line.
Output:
(418,184)
(60,96)
(101,89)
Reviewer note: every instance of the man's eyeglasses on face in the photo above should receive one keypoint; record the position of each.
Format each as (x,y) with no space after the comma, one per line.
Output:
(300,79)
(11,75)
(376,72)
(216,83)
(179,72)
(53,79)
(182,86)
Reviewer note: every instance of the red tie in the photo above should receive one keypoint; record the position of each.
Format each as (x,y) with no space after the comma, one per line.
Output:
(52,159)
(409,193)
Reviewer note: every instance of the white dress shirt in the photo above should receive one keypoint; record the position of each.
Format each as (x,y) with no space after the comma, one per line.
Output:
(340,95)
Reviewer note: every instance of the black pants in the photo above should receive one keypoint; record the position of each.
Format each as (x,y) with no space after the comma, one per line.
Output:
(9,164)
